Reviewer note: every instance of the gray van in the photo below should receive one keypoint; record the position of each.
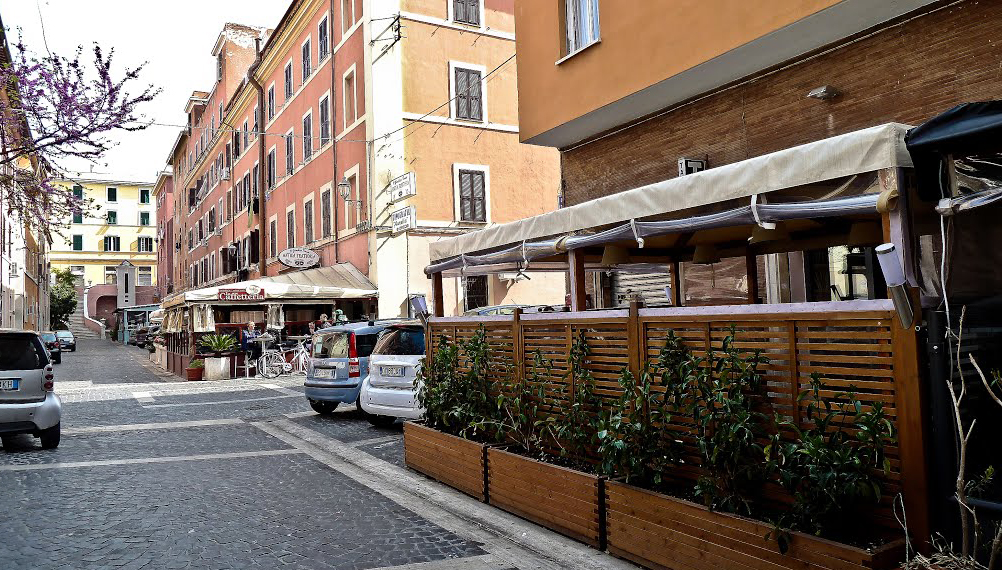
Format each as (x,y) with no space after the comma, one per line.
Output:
(339,362)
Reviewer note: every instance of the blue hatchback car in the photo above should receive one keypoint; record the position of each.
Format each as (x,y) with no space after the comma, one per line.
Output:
(340,362)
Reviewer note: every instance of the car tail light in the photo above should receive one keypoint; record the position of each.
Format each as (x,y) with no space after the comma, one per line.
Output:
(353,368)
(49,378)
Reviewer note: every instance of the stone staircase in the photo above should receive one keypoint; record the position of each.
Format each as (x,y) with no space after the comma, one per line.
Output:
(76,324)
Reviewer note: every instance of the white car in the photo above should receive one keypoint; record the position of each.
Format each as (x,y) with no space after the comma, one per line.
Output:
(389,392)
(27,403)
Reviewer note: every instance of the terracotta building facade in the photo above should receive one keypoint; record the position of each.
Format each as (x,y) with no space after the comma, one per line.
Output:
(362,133)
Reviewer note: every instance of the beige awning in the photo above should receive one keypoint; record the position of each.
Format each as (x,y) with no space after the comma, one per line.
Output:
(341,281)
(853,153)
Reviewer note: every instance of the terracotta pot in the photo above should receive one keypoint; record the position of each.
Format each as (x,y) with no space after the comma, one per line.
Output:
(193,374)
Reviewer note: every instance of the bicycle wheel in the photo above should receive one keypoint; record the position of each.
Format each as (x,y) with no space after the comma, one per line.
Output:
(270,364)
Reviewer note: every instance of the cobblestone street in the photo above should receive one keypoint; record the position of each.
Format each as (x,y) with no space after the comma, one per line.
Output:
(156,473)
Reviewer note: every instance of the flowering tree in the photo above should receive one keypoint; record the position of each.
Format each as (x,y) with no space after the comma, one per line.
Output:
(54,108)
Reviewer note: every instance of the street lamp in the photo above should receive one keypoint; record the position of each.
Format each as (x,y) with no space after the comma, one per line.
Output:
(344,188)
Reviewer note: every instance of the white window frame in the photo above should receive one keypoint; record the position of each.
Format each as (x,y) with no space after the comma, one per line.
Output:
(246,136)
(453,66)
(272,156)
(330,120)
(344,101)
(322,55)
(569,50)
(452,16)
(457,203)
(273,237)
(289,94)
(149,219)
(313,69)
(344,30)
(290,135)
(271,100)
(353,210)
(106,199)
(308,239)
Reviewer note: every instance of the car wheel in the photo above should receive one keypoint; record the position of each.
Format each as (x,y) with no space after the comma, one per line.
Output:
(323,408)
(380,421)
(7,441)
(74,349)
(50,437)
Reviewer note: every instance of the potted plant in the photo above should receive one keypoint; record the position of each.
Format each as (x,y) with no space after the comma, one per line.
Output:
(194,370)
(217,366)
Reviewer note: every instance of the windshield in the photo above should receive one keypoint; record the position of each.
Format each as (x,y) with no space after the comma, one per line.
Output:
(64,334)
(48,337)
(333,345)
(21,352)
(401,342)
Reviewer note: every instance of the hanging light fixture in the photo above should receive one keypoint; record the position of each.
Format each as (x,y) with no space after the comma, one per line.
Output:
(865,233)
(761,234)
(705,254)
(614,255)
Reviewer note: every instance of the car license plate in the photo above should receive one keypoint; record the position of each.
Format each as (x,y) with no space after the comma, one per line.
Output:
(9,383)
(324,373)
(392,371)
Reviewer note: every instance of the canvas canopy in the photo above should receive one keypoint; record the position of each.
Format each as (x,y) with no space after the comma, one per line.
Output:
(340,281)
(858,152)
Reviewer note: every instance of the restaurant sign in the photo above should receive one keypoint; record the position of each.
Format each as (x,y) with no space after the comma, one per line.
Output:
(251,293)
(402,186)
(403,219)
(299,257)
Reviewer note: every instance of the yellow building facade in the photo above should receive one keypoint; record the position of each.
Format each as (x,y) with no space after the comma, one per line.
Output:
(120,225)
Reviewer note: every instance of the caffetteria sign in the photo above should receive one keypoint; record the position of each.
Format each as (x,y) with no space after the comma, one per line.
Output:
(299,257)
(251,293)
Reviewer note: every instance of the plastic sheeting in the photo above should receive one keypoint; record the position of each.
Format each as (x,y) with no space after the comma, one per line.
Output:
(340,281)
(864,204)
(861,151)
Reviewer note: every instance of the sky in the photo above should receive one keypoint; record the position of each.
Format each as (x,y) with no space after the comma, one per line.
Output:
(174,38)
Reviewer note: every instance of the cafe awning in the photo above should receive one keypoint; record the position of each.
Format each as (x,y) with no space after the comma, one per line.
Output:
(854,153)
(341,281)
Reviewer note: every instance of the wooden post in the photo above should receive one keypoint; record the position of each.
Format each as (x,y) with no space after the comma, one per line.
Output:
(751,269)
(634,339)
(575,265)
(437,295)
(676,284)
(913,432)
(517,348)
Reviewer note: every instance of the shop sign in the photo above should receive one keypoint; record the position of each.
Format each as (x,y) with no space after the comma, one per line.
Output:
(299,257)
(402,186)
(251,293)
(403,219)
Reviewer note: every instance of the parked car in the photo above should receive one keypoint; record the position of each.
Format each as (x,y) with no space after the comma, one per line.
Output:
(67,340)
(497,310)
(51,343)
(390,390)
(339,363)
(27,403)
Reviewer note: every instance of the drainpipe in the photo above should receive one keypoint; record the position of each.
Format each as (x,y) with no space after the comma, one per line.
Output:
(333,127)
(263,168)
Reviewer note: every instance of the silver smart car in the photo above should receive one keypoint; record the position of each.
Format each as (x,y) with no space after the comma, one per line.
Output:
(27,402)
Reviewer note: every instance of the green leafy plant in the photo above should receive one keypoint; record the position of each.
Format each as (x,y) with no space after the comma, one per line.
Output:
(637,440)
(520,416)
(218,342)
(197,363)
(578,424)
(729,429)
(832,465)
(458,401)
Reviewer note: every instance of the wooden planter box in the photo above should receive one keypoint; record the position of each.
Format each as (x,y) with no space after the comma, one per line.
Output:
(658,531)
(561,499)
(457,462)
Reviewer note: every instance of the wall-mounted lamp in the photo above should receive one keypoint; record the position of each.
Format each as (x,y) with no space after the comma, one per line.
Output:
(825,93)
(344,188)
(894,276)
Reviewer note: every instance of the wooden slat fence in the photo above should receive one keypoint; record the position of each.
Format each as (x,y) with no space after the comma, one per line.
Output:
(856,345)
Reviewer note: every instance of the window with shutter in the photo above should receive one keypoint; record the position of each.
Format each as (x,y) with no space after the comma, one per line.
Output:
(307,60)
(308,221)
(472,196)
(78,243)
(323,40)
(307,137)
(469,96)
(288,81)
(290,153)
(325,213)
(273,238)
(466,12)
(325,121)
(254,247)
(290,229)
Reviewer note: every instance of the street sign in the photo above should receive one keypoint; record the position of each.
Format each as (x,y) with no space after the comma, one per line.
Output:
(404,219)
(402,186)
(299,257)
(248,294)
(691,165)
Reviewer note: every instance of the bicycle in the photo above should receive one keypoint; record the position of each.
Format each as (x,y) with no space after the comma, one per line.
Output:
(300,354)
(272,361)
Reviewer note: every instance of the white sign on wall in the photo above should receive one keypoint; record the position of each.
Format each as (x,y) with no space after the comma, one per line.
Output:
(299,257)
(402,186)
(404,219)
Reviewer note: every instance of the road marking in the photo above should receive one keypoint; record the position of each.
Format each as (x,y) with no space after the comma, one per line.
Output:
(278,388)
(386,439)
(62,385)
(483,562)
(518,543)
(146,460)
(294,415)
(160,425)
(298,395)
(143,397)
